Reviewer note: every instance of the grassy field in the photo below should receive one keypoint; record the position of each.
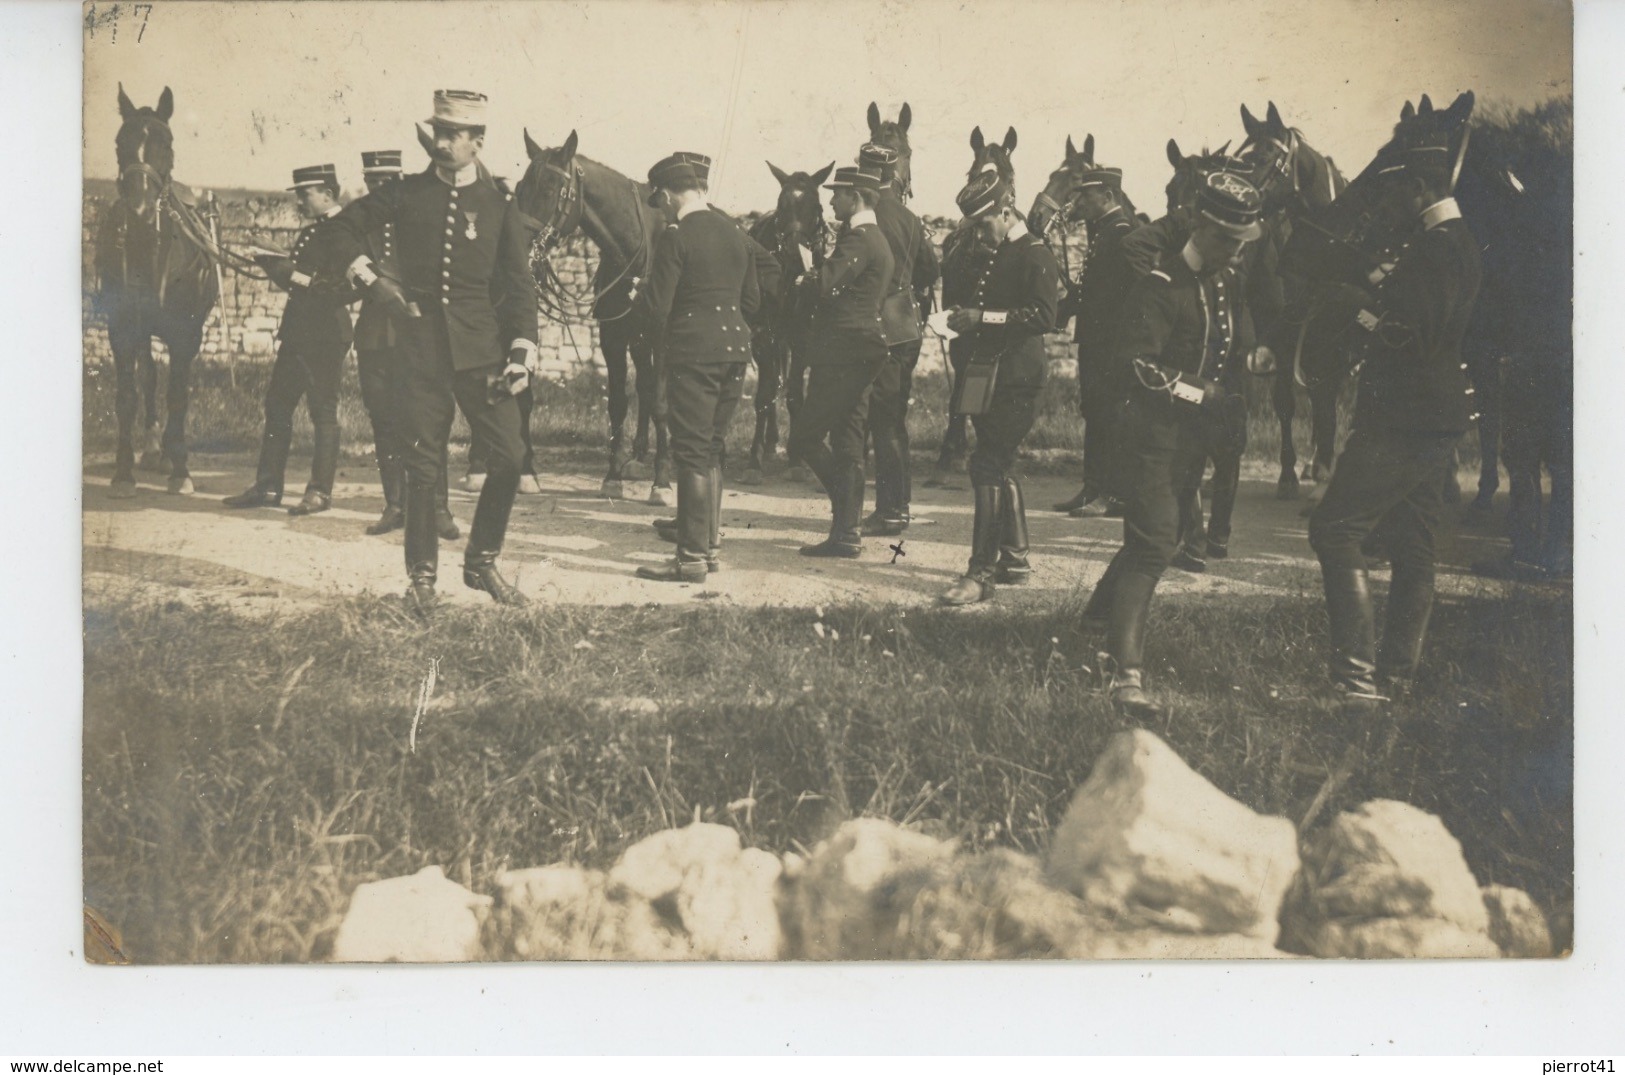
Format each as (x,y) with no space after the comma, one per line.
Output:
(570,423)
(242,775)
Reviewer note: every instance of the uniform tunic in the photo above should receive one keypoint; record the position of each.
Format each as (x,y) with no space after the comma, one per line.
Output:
(914,270)
(1413,405)
(1097,306)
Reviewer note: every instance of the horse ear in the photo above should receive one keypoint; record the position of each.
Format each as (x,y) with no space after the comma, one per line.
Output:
(532,150)
(1089,149)
(1175,157)
(166,105)
(904,118)
(570,146)
(822,174)
(126,107)
(1071,151)
(778,173)
(1009,141)
(874,119)
(1248,123)
(1222,150)
(1462,107)
(1425,106)
(976,142)
(1273,117)
(1407,113)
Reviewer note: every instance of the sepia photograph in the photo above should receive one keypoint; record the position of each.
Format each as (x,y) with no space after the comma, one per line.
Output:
(764,480)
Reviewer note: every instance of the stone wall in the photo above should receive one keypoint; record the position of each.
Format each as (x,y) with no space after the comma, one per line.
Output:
(243,326)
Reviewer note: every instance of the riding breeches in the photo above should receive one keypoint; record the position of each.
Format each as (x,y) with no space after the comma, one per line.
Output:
(888,427)
(312,372)
(701,401)
(1000,431)
(1389,478)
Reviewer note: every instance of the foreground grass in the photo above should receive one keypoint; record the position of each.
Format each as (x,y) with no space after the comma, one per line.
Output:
(242,775)
(573,417)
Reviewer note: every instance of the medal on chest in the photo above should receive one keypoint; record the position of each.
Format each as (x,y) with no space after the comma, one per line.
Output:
(471,232)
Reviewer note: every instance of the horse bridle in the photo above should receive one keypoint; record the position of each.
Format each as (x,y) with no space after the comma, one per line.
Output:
(566,203)
(568,209)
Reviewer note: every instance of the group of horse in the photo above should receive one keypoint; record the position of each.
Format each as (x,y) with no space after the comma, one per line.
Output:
(159,265)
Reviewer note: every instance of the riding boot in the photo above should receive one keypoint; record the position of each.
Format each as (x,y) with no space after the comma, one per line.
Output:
(693,531)
(267,487)
(1084,496)
(393,476)
(445,522)
(987,529)
(485,536)
(1097,613)
(713,556)
(1125,642)
(422,545)
(1013,568)
(324,464)
(1353,662)
(1410,603)
(843,541)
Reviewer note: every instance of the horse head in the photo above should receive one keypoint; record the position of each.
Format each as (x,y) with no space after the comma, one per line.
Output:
(1192,171)
(1059,198)
(549,195)
(894,134)
(1286,169)
(146,152)
(799,216)
(992,155)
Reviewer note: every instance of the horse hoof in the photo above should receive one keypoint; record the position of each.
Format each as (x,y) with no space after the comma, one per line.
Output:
(612,488)
(659,496)
(182,486)
(1287,488)
(122,489)
(753,476)
(529,486)
(632,471)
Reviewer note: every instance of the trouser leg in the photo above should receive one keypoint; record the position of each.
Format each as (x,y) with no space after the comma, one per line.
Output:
(324,367)
(288,382)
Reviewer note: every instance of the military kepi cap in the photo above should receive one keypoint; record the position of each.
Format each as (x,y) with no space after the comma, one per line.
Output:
(381,162)
(854,178)
(1232,203)
(1096,176)
(879,159)
(458,109)
(986,192)
(678,169)
(316,175)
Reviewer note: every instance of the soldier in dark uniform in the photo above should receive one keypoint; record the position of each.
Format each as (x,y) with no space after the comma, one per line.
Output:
(1180,329)
(464,308)
(1097,306)
(1412,406)
(379,374)
(702,286)
(914,272)
(314,339)
(848,350)
(1013,305)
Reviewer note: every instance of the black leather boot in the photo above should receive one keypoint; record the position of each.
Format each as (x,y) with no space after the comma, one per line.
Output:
(445,522)
(987,528)
(1125,641)
(422,547)
(1353,663)
(485,538)
(393,476)
(273,463)
(693,531)
(846,507)
(713,555)
(1098,612)
(1410,603)
(314,502)
(1013,567)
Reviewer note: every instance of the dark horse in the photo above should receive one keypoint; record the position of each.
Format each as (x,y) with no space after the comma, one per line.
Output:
(780,330)
(561,192)
(1058,203)
(964,256)
(1295,180)
(155,279)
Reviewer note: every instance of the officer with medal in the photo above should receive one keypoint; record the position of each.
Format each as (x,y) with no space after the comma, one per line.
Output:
(464,309)
(1412,406)
(914,272)
(313,341)
(1097,303)
(1180,331)
(379,374)
(1013,305)
(848,349)
(702,286)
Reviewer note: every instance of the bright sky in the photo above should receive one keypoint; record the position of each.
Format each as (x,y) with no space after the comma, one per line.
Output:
(261,88)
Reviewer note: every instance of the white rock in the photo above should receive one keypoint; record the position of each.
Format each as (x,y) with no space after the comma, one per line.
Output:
(837,908)
(990,906)
(1409,937)
(1517,925)
(423,918)
(1389,859)
(1150,841)
(655,866)
(723,898)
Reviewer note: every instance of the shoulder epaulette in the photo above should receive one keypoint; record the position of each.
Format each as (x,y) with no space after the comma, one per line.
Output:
(1163,275)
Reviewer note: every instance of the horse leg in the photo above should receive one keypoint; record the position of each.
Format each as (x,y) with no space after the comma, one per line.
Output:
(1487,390)
(660,493)
(648,399)
(795,392)
(127,344)
(183,350)
(152,452)
(1323,420)
(762,351)
(1283,399)
(613,344)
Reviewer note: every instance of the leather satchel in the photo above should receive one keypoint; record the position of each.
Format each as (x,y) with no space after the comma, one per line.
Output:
(973,391)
